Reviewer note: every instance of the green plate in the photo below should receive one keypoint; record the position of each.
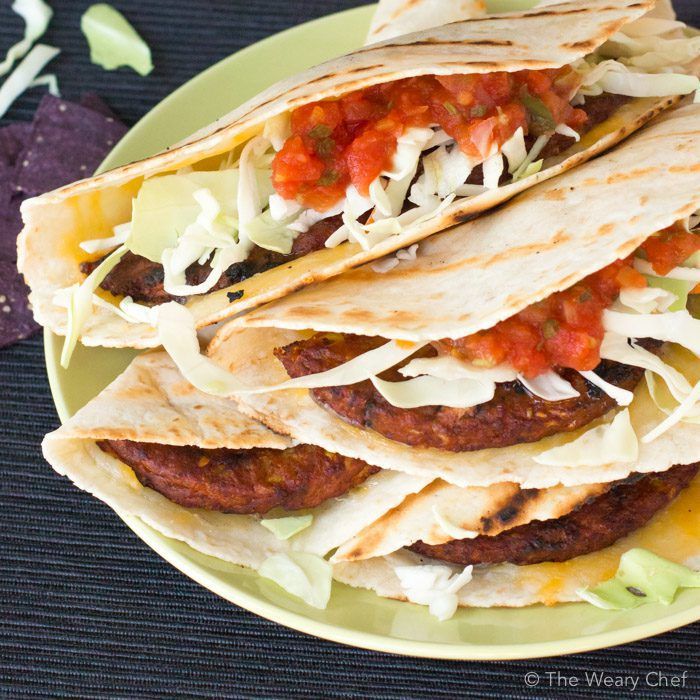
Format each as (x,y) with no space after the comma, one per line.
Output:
(353,616)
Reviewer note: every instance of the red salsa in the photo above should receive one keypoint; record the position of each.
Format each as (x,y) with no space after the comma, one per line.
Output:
(351,140)
(566,328)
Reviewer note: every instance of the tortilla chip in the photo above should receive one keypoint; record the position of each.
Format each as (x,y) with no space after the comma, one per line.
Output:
(16,318)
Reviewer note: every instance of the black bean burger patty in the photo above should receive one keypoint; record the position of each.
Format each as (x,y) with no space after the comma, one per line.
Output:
(142,280)
(512,417)
(626,507)
(241,481)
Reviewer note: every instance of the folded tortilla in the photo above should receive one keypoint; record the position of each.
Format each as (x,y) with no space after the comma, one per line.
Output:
(673,533)
(150,402)
(394,18)
(477,511)
(482,272)
(55,223)
(468,279)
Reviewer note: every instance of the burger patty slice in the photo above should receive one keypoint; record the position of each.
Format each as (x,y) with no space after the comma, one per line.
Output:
(241,481)
(142,280)
(626,507)
(512,417)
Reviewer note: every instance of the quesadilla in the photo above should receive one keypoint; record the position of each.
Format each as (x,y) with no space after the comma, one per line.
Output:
(351,160)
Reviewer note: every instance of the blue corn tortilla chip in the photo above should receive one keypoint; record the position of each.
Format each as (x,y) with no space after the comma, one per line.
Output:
(64,143)
(13,139)
(93,101)
(16,319)
(10,226)
(67,143)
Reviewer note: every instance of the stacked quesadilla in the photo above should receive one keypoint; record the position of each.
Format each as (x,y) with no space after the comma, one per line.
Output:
(497,414)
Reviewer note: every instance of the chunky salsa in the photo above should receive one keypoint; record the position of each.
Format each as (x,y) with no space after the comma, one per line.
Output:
(351,140)
(566,328)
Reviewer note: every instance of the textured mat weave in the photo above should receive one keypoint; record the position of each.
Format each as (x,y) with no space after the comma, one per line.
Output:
(86,609)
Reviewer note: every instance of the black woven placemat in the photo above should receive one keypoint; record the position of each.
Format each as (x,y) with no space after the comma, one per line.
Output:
(87,609)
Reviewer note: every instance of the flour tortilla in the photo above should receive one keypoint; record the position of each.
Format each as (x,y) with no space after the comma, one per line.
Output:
(673,533)
(477,274)
(150,402)
(248,354)
(480,511)
(394,18)
(48,252)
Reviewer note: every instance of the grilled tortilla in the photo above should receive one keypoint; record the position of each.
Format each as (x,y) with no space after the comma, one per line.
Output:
(55,223)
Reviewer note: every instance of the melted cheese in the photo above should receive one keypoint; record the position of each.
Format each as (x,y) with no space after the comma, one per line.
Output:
(673,533)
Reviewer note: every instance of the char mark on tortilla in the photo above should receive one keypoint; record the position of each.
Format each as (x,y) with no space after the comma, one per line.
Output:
(512,417)
(626,507)
(241,481)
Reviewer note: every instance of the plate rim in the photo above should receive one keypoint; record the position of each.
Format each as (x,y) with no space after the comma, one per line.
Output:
(459,651)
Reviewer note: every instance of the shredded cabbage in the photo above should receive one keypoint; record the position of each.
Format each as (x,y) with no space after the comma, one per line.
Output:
(24,74)
(646,300)
(166,207)
(689,274)
(684,409)
(549,386)
(305,576)
(356,370)
(121,234)
(605,444)
(80,304)
(566,130)
(50,81)
(642,577)
(525,169)
(621,396)
(281,208)
(269,234)
(113,41)
(178,336)
(284,528)
(648,85)
(277,130)
(616,348)
(431,391)
(435,586)
(408,149)
(493,169)
(448,367)
(674,326)
(36,15)
(515,150)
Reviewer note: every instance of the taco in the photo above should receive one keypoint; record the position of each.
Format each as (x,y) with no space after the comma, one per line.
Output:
(345,163)
(196,469)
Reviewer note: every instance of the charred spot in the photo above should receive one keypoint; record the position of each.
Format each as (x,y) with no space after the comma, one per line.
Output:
(509,512)
(234,296)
